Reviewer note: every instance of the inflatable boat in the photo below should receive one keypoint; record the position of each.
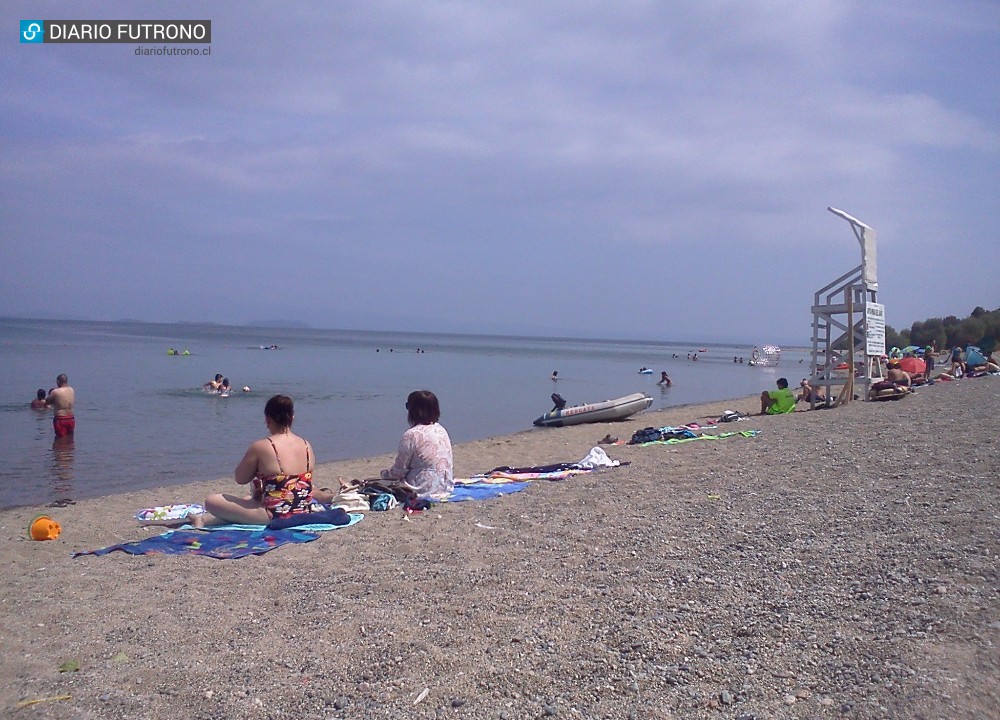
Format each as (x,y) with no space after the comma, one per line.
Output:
(617,409)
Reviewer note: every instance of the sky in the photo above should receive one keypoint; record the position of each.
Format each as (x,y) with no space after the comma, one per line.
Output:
(640,170)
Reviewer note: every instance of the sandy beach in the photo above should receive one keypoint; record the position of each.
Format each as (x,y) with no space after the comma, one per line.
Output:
(841,564)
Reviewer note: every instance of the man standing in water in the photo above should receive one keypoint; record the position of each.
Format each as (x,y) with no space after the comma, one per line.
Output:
(61,398)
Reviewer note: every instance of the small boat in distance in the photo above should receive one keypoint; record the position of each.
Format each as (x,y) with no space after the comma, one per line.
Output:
(617,409)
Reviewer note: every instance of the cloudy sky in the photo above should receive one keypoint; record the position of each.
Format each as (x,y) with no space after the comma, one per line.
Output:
(648,170)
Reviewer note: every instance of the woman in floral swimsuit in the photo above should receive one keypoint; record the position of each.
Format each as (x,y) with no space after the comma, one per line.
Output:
(280,468)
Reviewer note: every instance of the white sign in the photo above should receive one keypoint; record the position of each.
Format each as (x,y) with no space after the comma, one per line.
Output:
(875,329)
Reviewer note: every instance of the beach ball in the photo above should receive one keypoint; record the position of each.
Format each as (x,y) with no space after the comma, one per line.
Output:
(44,528)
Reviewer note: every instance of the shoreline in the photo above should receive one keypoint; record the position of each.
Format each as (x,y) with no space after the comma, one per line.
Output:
(842,563)
(178,434)
(466,454)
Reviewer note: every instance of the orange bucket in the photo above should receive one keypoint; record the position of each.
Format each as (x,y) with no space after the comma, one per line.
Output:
(44,528)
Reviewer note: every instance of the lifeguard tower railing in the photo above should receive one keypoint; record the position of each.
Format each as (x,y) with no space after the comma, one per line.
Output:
(849,325)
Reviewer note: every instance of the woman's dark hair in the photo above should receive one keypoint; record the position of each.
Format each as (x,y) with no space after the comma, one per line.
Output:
(40,394)
(281,410)
(423,408)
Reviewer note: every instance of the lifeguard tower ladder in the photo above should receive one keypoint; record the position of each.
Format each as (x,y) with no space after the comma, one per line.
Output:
(849,324)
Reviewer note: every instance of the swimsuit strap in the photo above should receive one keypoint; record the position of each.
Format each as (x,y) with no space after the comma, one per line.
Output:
(281,469)
(273,447)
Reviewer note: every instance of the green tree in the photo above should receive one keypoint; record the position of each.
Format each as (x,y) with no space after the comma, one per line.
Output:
(893,338)
(929,332)
(969,331)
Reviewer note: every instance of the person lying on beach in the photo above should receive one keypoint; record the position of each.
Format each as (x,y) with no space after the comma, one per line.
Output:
(280,470)
(424,462)
(899,377)
(777,402)
(896,379)
(810,394)
(975,362)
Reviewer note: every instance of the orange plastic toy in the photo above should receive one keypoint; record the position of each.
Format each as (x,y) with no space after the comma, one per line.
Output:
(44,528)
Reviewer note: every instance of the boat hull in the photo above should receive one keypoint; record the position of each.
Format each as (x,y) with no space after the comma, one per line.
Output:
(617,409)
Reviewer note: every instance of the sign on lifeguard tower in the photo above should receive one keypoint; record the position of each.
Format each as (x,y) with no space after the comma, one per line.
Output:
(874,329)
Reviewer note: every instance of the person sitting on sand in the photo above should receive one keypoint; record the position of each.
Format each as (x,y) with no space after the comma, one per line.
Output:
(810,394)
(280,469)
(39,402)
(424,462)
(777,402)
(664,380)
(957,368)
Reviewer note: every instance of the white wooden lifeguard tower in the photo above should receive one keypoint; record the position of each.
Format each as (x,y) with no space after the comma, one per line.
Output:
(849,324)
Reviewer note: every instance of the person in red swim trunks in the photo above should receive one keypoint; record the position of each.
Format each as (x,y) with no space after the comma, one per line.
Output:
(61,399)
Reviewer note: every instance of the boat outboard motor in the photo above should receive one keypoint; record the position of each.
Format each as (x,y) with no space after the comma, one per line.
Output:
(559,401)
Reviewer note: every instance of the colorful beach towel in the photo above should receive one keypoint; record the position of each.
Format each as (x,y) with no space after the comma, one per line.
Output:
(703,436)
(221,544)
(595,459)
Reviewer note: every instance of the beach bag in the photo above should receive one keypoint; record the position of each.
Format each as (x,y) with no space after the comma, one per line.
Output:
(351,500)
(649,434)
(730,416)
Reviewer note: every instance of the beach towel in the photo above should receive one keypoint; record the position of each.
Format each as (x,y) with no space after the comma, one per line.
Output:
(220,544)
(519,475)
(470,490)
(703,436)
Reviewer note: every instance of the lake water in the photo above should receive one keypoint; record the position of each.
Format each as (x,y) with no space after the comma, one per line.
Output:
(143,420)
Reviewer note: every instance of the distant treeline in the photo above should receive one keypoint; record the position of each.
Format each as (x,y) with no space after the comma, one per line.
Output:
(981,328)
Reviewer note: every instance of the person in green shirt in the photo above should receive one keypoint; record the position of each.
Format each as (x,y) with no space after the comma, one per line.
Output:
(777,402)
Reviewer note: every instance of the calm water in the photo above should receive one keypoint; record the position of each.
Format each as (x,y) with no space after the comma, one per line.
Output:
(143,420)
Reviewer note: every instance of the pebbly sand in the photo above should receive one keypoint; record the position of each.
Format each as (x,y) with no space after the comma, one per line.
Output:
(841,564)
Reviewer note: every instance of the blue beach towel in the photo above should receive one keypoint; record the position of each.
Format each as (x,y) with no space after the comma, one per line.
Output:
(484,491)
(221,544)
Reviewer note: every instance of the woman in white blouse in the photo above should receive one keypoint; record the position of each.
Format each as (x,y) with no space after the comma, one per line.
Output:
(424,461)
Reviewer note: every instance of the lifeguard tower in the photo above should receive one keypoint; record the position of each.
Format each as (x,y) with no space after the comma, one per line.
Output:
(848,330)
